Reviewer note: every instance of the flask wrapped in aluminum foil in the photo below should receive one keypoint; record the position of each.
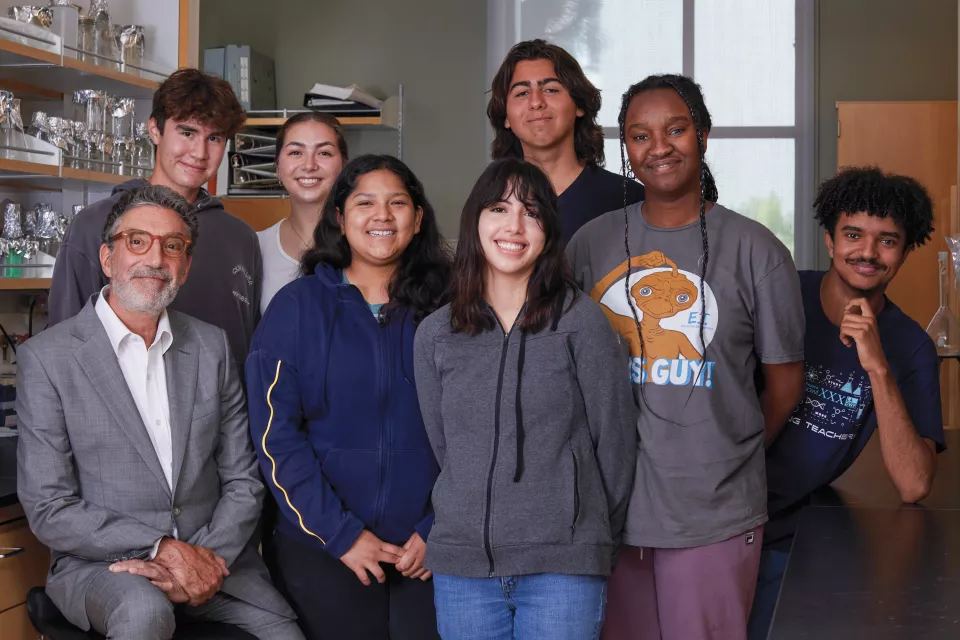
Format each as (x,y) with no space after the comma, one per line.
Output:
(40,126)
(12,221)
(13,114)
(38,16)
(29,222)
(131,44)
(11,123)
(93,103)
(103,34)
(50,229)
(81,146)
(13,244)
(48,226)
(122,113)
(10,111)
(61,134)
(143,156)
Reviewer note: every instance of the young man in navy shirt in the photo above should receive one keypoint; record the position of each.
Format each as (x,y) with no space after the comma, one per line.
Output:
(544,110)
(869,367)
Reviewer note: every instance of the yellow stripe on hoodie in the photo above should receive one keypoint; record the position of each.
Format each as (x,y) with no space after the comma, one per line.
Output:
(263,443)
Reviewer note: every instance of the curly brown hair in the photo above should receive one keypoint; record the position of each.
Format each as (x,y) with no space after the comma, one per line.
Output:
(191,94)
(588,134)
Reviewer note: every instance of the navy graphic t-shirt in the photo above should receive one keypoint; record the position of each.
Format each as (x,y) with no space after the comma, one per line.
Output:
(836,418)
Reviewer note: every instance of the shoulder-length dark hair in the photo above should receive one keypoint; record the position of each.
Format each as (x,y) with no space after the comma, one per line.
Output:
(552,277)
(587,132)
(421,279)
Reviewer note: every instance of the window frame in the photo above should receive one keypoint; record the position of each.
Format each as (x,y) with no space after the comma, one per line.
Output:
(503,31)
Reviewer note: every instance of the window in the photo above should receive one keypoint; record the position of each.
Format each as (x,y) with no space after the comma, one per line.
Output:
(753,59)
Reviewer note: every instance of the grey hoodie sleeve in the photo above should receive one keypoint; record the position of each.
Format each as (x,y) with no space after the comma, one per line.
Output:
(602,373)
(429,391)
(76,277)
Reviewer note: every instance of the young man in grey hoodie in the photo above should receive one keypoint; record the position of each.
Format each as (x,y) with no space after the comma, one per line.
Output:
(193,116)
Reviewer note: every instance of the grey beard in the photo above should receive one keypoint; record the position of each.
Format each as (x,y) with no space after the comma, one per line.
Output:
(131,298)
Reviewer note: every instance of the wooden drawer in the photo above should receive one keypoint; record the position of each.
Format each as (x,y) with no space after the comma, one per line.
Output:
(20,570)
(15,625)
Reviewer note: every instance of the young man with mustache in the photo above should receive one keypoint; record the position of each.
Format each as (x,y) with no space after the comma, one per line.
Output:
(868,365)
(544,110)
(193,115)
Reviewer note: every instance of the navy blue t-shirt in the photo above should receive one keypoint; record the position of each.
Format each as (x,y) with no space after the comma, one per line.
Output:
(836,418)
(595,192)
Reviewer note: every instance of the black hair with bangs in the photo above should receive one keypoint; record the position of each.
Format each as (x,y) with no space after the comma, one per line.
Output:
(552,277)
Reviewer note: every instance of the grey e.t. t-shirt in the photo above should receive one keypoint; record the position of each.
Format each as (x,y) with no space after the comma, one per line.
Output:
(700,466)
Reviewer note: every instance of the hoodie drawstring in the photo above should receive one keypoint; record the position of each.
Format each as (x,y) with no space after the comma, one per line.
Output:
(519,407)
(518,473)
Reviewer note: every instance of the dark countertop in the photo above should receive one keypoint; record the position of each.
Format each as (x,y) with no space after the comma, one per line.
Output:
(8,471)
(864,565)
(867,484)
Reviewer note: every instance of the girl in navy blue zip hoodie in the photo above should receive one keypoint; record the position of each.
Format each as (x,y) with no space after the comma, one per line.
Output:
(334,413)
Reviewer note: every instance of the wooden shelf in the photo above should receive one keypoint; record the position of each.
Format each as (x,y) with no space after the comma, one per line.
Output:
(367,121)
(22,284)
(94,176)
(11,167)
(51,177)
(389,118)
(42,73)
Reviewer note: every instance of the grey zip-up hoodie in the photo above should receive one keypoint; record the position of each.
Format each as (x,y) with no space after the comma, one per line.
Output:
(222,288)
(536,439)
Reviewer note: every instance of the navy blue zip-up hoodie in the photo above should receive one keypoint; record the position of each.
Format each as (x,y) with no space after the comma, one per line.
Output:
(335,418)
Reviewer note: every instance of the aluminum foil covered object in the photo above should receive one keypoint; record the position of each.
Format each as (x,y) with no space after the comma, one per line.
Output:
(6,104)
(99,6)
(95,104)
(29,224)
(12,224)
(40,16)
(61,133)
(13,238)
(132,43)
(48,223)
(16,120)
(39,126)
(82,96)
(123,113)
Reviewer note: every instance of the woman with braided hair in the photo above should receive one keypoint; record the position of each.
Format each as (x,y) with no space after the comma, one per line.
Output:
(679,265)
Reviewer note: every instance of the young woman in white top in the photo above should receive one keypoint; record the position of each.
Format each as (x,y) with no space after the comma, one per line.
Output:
(311,151)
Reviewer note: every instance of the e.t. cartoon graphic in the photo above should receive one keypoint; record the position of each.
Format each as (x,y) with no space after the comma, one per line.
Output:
(658,295)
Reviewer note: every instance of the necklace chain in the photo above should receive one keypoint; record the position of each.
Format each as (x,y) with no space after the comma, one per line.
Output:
(290,223)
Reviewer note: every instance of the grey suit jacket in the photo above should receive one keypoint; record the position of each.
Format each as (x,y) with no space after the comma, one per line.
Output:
(89,478)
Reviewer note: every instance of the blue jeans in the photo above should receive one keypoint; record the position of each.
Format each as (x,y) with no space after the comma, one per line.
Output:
(773,564)
(534,607)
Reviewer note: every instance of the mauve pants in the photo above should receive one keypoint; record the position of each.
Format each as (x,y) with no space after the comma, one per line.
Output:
(701,593)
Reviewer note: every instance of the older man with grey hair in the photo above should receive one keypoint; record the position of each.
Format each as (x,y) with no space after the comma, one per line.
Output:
(134,464)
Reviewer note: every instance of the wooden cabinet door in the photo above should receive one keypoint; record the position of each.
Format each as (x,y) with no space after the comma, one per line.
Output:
(259,213)
(15,625)
(917,139)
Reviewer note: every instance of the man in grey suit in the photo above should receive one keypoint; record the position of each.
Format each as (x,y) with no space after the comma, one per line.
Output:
(135,464)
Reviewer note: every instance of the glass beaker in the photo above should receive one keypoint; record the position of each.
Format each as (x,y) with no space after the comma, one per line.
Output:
(944,329)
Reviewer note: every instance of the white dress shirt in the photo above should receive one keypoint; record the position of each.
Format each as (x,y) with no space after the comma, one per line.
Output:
(146,377)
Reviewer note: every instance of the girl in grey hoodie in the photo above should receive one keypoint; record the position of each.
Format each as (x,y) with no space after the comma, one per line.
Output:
(532,421)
